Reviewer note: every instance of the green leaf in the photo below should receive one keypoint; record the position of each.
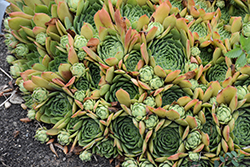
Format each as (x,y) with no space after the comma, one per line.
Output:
(234,153)
(216,163)
(222,159)
(230,155)
(235,163)
(246,44)
(241,61)
(234,53)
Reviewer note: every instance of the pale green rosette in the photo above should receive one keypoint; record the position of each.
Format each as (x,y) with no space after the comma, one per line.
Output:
(129,162)
(139,111)
(146,164)
(193,140)
(150,101)
(80,95)
(10,59)
(159,26)
(89,104)
(195,51)
(64,40)
(179,109)
(246,29)
(64,138)
(146,73)
(156,82)
(79,42)
(193,156)
(223,114)
(241,92)
(21,50)
(41,135)
(151,122)
(39,95)
(102,111)
(73,4)
(31,114)
(85,156)
(78,70)
(41,38)
(15,70)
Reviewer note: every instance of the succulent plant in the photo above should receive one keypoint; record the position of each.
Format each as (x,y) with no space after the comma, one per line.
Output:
(129,162)
(39,95)
(193,140)
(146,73)
(80,95)
(127,134)
(56,108)
(31,114)
(64,138)
(102,111)
(106,148)
(89,104)
(85,156)
(224,114)
(152,121)
(78,69)
(138,111)
(41,38)
(146,164)
(41,135)
(91,129)
(159,83)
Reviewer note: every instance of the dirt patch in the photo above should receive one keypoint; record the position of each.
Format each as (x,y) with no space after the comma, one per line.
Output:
(23,150)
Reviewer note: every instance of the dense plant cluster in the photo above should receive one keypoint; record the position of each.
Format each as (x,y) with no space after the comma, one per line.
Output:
(159,82)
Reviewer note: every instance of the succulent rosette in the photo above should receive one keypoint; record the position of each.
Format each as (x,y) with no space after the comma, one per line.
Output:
(21,50)
(56,108)
(85,13)
(85,156)
(139,111)
(224,114)
(117,82)
(39,95)
(91,132)
(127,136)
(41,38)
(102,111)
(129,162)
(64,138)
(41,135)
(151,121)
(146,164)
(78,69)
(89,104)
(131,60)
(193,140)
(31,114)
(133,11)
(150,101)
(241,130)
(217,72)
(106,148)
(167,140)
(146,74)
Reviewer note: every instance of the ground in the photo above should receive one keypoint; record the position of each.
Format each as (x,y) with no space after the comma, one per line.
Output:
(23,150)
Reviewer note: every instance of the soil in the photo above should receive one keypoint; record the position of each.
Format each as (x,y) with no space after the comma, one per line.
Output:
(23,150)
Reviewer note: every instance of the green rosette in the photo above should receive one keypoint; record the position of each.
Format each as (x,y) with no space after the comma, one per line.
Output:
(85,13)
(74,124)
(201,163)
(241,130)
(172,94)
(217,72)
(110,47)
(131,60)
(169,52)
(90,132)
(132,11)
(82,84)
(211,129)
(121,82)
(56,108)
(166,141)
(128,135)
(206,55)
(105,148)
(94,72)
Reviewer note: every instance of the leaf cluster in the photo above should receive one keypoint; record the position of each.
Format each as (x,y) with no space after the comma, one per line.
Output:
(229,159)
(241,51)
